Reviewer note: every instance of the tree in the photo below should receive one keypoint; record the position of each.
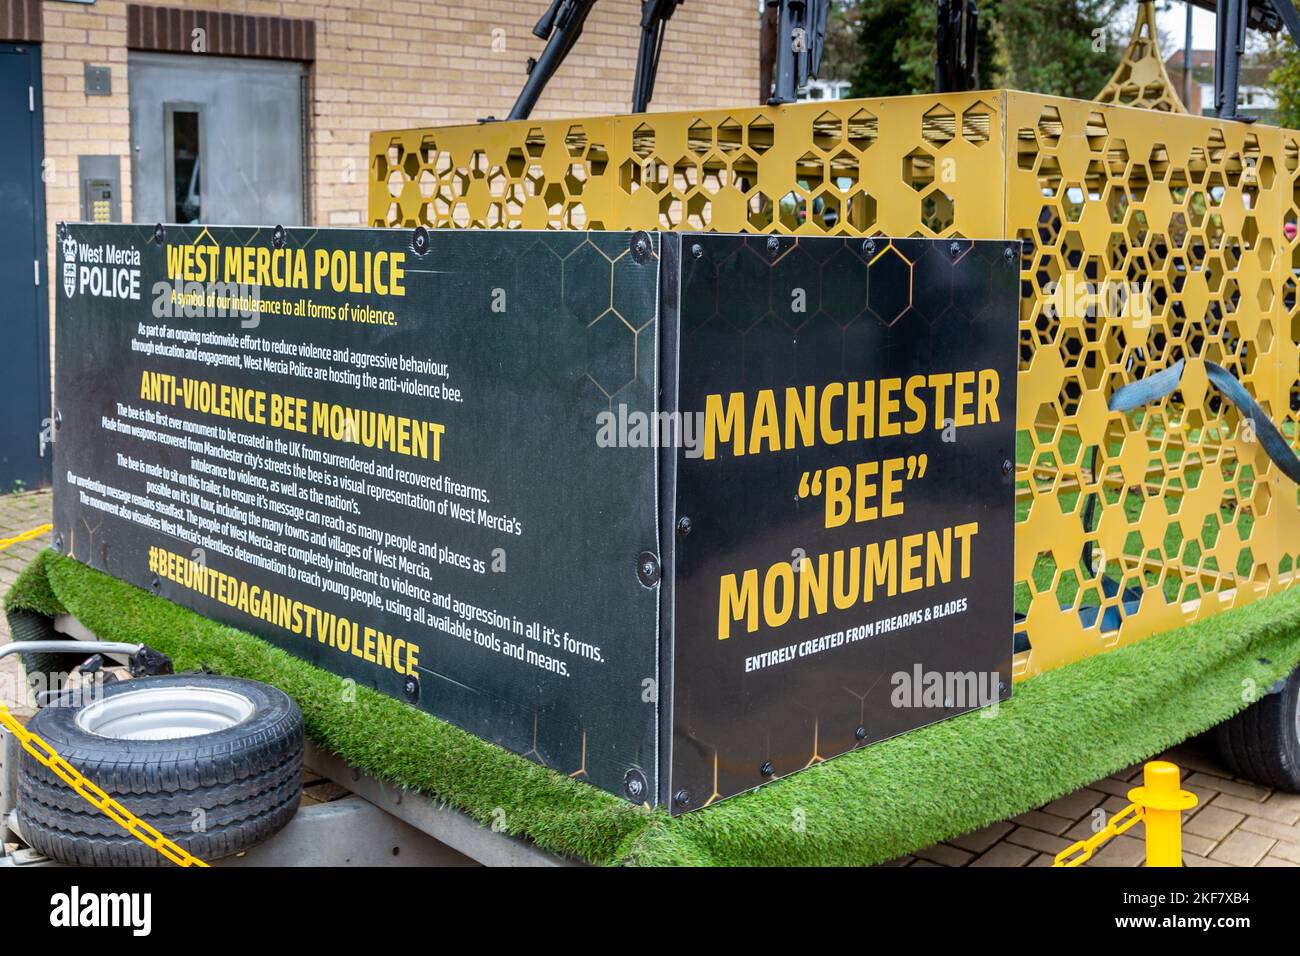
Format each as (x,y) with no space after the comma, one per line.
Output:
(1285,81)
(895,48)
(840,55)
(896,51)
(1064,47)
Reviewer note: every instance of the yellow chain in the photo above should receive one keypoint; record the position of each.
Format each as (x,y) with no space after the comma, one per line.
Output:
(1120,822)
(93,795)
(25,536)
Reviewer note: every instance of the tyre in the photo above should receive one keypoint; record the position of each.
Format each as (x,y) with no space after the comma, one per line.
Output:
(44,671)
(1262,743)
(213,763)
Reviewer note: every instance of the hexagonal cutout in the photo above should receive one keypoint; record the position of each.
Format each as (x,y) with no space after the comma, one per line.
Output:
(828,131)
(938,212)
(575,141)
(759,135)
(730,136)
(699,137)
(938,126)
(863,129)
(918,169)
(1050,126)
(643,141)
(535,142)
(977,124)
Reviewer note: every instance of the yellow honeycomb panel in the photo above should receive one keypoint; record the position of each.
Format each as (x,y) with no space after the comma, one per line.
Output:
(1194,209)
(1148,238)
(835,169)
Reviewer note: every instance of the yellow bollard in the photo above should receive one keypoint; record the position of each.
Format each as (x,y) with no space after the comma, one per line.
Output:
(1162,802)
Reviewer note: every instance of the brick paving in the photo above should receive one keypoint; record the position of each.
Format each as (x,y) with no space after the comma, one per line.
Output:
(18,513)
(1236,822)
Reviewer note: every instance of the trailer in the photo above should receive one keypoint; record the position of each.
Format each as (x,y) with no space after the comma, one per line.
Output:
(657,460)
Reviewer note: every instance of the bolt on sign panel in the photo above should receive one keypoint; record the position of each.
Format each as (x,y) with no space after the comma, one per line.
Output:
(847,572)
(673,515)
(387,467)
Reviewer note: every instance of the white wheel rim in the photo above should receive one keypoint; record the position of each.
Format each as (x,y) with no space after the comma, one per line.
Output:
(165,713)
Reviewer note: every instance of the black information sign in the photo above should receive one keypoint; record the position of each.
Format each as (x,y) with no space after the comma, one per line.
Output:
(382,461)
(847,575)
(674,515)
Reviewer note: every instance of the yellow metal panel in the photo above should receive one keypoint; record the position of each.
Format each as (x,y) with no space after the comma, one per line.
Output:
(919,165)
(543,175)
(1280,498)
(1186,212)
(1141,79)
(902,166)
(1193,208)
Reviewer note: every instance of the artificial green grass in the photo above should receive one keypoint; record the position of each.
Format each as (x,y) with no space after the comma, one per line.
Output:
(1059,731)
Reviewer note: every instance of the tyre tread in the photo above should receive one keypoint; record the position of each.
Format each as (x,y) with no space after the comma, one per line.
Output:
(1261,743)
(125,850)
(247,779)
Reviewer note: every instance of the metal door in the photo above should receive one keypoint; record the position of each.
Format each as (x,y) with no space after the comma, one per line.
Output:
(216,140)
(24,318)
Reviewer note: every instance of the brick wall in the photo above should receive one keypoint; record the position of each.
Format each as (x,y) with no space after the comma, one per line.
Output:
(405,63)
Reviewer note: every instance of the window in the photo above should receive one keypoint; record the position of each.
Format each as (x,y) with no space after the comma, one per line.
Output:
(184,163)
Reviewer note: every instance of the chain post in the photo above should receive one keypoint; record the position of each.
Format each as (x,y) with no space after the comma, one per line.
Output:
(1163,803)
(1160,803)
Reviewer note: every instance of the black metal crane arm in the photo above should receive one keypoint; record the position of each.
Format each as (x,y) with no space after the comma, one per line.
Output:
(1287,11)
(560,26)
(797,34)
(800,41)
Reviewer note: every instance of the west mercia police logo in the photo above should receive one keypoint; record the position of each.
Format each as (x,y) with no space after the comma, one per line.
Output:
(69,266)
